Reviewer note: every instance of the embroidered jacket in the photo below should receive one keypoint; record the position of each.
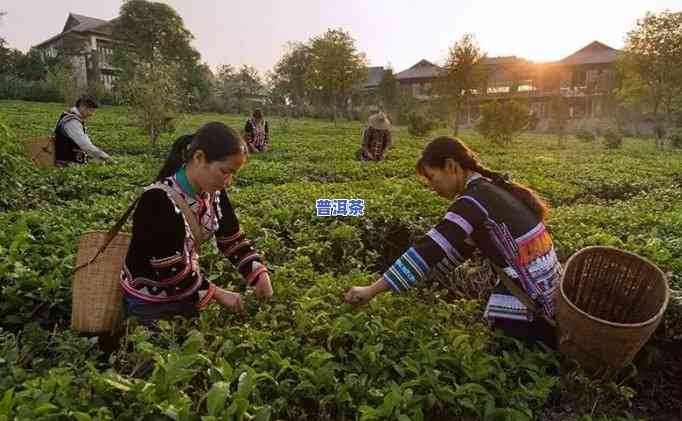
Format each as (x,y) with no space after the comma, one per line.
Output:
(502,227)
(257,134)
(162,262)
(376,142)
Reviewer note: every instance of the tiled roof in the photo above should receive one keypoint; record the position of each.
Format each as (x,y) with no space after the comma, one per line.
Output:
(424,69)
(593,53)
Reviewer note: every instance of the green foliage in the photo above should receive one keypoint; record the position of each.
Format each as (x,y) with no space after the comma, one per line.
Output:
(12,87)
(419,123)
(463,73)
(501,122)
(652,79)
(238,90)
(559,119)
(337,67)
(306,355)
(585,135)
(63,81)
(154,96)
(613,138)
(149,31)
(323,72)
(290,78)
(389,91)
(154,51)
(675,137)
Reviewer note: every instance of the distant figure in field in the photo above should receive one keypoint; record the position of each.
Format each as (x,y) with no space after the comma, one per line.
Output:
(659,133)
(256,133)
(376,138)
(72,143)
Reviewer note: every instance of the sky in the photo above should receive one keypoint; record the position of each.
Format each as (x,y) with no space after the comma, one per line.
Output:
(395,33)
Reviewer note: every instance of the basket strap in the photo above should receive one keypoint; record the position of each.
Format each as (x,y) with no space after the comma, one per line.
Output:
(190,216)
(522,296)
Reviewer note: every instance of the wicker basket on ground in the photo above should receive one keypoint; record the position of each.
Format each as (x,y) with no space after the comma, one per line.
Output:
(40,150)
(610,302)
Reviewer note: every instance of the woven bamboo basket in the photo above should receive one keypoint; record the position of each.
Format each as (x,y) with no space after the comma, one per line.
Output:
(97,294)
(40,150)
(610,302)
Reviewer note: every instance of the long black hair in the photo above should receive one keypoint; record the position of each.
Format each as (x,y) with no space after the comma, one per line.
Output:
(442,148)
(215,139)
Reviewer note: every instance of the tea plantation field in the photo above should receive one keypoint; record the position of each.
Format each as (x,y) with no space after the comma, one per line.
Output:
(425,355)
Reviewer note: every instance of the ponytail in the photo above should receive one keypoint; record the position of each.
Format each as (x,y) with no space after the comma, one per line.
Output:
(531,199)
(177,157)
(443,148)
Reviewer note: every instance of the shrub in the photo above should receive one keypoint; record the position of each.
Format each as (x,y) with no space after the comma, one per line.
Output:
(418,124)
(675,137)
(12,87)
(627,132)
(501,122)
(585,135)
(613,138)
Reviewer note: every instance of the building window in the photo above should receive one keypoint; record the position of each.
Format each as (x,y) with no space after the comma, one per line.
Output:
(500,87)
(579,78)
(104,53)
(526,86)
(565,81)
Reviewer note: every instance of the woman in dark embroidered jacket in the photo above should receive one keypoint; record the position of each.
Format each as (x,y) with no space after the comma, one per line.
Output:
(161,277)
(257,133)
(502,219)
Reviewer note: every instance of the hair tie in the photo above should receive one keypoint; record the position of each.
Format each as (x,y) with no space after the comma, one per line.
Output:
(502,178)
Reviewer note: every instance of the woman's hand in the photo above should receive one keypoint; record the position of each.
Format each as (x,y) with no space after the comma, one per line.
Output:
(263,288)
(359,295)
(229,299)
(363,295)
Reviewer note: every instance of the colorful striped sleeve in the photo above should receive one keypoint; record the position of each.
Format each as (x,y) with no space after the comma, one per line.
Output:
(439,252)
(234,245)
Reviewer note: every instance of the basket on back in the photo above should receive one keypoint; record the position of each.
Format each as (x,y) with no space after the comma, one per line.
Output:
(97,305)
(609,304)
(40,150)
(97,294)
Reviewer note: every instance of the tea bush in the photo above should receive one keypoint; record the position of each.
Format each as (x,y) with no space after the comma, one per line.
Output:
(307,356)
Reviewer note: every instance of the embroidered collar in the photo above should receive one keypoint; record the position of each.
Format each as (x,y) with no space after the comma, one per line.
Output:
(75,112)
(181,177)
(473,177)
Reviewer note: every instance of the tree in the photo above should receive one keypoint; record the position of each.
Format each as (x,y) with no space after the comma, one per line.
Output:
(559,118)
(502,122)
(63,80)
(651,65)
(337,68)
(248,85)
(225,85)
(389,91)
(153,95)
(32,66)
(150,32)
(200,81)
(5,52)
(291,76)
(2,40)
(463,73)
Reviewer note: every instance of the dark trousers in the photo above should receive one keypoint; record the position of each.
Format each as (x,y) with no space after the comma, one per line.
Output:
(529,332)
(148,314)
